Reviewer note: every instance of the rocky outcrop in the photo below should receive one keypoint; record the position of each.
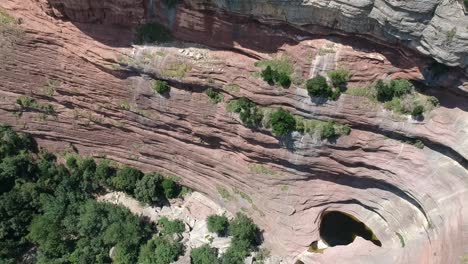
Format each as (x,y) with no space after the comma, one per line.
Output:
(412,199)
(436,28)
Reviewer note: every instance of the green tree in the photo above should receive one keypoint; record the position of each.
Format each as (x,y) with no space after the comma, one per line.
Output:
(218,224)
(104,171)
(170,187)
(283,79)
(282,122)
(318,87)
(401,87)
(126,179)
(243,228)
(237,252)
(204,255)
(268,75)
(148,189)
(160,250)
(170,227)
(384,92)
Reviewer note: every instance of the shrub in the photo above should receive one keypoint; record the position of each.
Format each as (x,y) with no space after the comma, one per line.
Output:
(204,255)
(161,87)
(433,100)
(160,250)
(267,75)
(339,78)
(318,87)
(243,228)
(152,32)
(277,71)
(218,224)
(148,188)
(126,179)
(248,111)
(401,87)
(417,111)
(171,227)
(328,130)
(215,97)
(282,122)
(283,79)
(384,91)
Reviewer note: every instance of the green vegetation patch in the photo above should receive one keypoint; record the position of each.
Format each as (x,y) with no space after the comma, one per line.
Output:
(170,227)
(225,194)
(215,97)
(161,87)
(28,103)
(159,250)
(321,129)
(204,255)
(261,169)
(277,70)
(218,224)
(176,70)
(282,122)
(152,33)
(248,111)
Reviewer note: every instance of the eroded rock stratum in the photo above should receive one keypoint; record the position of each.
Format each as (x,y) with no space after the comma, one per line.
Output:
(77,56)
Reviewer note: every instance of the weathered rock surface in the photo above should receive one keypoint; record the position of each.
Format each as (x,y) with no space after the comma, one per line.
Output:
(412,199)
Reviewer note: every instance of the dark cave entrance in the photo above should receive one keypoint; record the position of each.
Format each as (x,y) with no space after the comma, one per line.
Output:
(338,228)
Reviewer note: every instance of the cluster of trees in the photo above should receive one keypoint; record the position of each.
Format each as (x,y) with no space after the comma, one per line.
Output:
(273,77)
(319,87)
(245,237)
(399,95)
(49,207)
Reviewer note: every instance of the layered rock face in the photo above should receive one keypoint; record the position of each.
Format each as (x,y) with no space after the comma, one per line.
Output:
(412,199)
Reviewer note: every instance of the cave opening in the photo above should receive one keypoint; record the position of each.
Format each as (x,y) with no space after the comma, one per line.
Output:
(338,228)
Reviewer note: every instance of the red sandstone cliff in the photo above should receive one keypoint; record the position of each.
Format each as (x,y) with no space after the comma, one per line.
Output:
(395,188)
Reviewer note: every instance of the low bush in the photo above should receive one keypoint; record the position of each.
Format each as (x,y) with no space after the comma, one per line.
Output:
(218,224)
(328,131)
(396,88)
(339,78)
(318,87)
(417,111)
(204,255)
(275,77)
(161,87)
(282,122)
(151,33)
(248,111)
(215,97)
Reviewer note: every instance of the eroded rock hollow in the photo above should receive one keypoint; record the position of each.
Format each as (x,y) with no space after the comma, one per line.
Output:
(406,179)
